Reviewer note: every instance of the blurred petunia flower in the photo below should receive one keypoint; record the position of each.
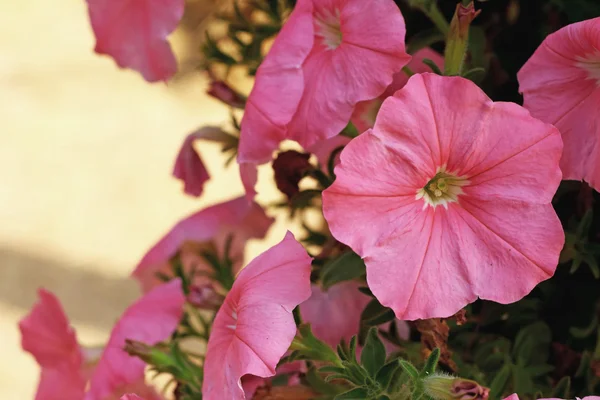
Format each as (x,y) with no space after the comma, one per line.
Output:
(255,327)
(189,167)
(448,198)
(134,34)
(73,372)
(561,85)
(334,314)
(212,228)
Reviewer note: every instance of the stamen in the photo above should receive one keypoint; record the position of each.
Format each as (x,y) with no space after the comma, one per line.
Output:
(328,28)
(442,189)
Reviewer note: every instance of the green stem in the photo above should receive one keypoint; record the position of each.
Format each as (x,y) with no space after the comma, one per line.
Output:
(438,19)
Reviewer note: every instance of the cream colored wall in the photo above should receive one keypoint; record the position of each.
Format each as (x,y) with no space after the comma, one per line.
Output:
(86,152)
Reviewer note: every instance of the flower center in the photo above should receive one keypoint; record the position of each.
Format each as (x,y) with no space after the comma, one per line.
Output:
(591,64)
(328,28)
(442,189)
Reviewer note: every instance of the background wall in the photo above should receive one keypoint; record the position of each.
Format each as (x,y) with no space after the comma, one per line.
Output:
(86,152)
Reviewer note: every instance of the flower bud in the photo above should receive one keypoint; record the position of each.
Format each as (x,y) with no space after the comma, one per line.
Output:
(290,167)
(205,297)
(221,91)
(458,38)
(151,355)
(447,387)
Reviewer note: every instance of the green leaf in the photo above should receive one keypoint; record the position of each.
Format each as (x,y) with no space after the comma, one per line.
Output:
(532,344)
(346,267)
(434,67)
(375,314)
(372,356)
(562,388)
(431,363)
(386,373)
(410,369)
(500,382)
(584,225)
(582,333)
(319,384)
(354,394)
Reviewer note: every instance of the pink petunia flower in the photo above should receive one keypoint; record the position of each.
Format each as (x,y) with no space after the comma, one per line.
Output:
(134,34)
(67,367)
(334,314)
(329,56)
(210,228)
(448,198)
(365,112)
(561,85)
(189,167)
(514,396)
(255,326)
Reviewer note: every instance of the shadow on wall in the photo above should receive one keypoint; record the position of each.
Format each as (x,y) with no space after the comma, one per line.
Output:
(88,297)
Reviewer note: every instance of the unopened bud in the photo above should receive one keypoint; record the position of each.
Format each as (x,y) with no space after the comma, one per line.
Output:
(446,387)
(151,355)
(458,38)
(205,297)
(290,167)
(222,91)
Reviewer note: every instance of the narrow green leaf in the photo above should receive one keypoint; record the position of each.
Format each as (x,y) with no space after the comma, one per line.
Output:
(562,388)
(582,333)
(500,381)
(409,369)
(346,267)
(372,356)
(386,373)
(354,394)
(431,363)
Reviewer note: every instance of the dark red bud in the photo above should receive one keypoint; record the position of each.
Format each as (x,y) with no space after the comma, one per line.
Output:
(290,167)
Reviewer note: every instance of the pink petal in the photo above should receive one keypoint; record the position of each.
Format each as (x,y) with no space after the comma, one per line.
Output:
(134,33)
(561,85)
(363,116)
(278,88)
(238,217)
(334,314)
(65,382)
(249,176)
(47,334)
(323,149)
(189,167)
(255,326)
(359,69)
(513,396)
(131,397)
(153,318)
(497,240)
(306,91)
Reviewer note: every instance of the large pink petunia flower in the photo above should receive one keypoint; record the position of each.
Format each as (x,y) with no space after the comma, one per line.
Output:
(255,326)
(561,85)
(365,112)
(67,367)
(334,314)
(329,56)
(448,198)
(134,33)
(211,227)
